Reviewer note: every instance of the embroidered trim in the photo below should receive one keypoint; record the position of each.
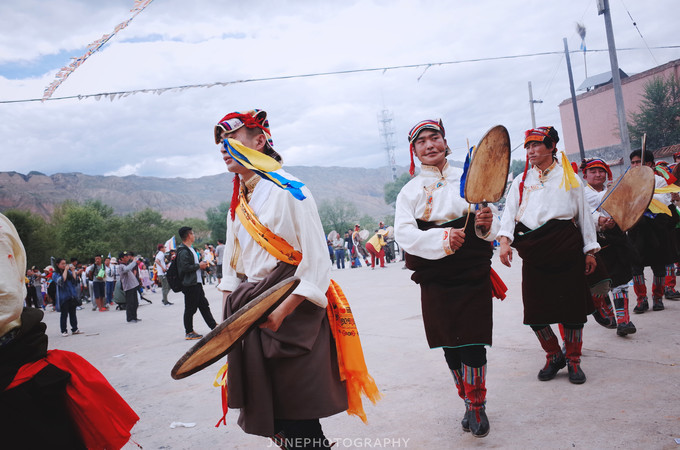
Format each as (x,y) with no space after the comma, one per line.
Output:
(446,244)
(529,189)
(429,190)
(542,175)
(249,186)
(434,169)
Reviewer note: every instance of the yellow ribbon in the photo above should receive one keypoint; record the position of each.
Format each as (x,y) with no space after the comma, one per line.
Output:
(256,160)
(658,207)
(667,189)
(569,179)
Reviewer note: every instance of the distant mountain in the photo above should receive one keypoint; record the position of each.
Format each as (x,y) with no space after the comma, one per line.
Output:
(179,198)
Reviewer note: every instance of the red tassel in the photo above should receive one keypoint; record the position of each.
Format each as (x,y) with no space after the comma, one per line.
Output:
(412,169)
(498,288)
(225,407)
(234,196)
(521,184)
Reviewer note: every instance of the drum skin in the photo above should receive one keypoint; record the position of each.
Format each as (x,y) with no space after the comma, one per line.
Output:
(629,196)
(488,172)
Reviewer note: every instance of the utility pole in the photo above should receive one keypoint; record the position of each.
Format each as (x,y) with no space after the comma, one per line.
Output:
(577,121)
(603,8)
(531,106)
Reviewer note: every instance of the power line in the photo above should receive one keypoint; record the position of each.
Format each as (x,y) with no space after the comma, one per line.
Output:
(118,94)
(639,32)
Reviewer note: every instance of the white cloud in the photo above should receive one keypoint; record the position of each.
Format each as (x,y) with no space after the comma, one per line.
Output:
(323,121)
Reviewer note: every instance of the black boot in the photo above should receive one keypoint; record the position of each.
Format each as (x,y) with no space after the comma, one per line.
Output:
(642,305)
(576,375)
(573,339)
(554,356)
(658,304)
(604,321)
(553,365)
(624,329)
(625,326)
(479,423)
(465,423)
(474,380)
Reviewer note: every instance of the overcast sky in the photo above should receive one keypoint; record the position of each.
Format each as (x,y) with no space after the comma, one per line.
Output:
(316,121)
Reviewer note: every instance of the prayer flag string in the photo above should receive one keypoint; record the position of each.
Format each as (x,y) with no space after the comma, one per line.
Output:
(64,72)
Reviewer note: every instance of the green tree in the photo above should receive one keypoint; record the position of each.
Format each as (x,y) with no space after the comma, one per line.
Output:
(338,215)
(144,230)
(393,187)
(200,227)
(80,230)
(35,234)
(217,221)
(517,166)
(659,114)
(368,223)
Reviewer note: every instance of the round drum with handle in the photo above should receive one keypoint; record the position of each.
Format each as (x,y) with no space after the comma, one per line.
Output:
(226,335)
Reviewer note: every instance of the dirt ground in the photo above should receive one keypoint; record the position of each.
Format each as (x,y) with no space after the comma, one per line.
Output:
(631,398)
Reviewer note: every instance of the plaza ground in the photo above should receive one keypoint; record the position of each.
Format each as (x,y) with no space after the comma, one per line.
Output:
(631,398)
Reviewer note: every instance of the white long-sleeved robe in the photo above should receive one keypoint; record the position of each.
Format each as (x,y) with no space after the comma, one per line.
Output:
(295,221)
(432,196)
(544,200)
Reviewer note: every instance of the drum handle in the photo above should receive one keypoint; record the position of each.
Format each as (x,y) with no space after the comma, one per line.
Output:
(484,205)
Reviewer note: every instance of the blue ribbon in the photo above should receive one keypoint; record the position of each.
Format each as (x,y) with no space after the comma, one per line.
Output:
(463,178)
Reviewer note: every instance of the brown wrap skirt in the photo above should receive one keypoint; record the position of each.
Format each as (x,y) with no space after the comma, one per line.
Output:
(554,287)
(456,290)
(288,374)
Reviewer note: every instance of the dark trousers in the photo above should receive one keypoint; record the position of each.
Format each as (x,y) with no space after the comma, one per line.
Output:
(109,291)
(301,434)
(68,308)
(31,297)
(194,299)
(131,304)
(340,257)
(659,270)
(470,355)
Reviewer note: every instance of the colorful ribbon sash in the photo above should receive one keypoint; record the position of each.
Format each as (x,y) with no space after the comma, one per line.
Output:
(351,361)
(263,165)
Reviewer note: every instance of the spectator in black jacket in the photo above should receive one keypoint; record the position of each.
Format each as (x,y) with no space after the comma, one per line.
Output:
(189,269)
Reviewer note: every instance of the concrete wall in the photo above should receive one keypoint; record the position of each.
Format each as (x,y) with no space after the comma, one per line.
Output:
(597,110)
